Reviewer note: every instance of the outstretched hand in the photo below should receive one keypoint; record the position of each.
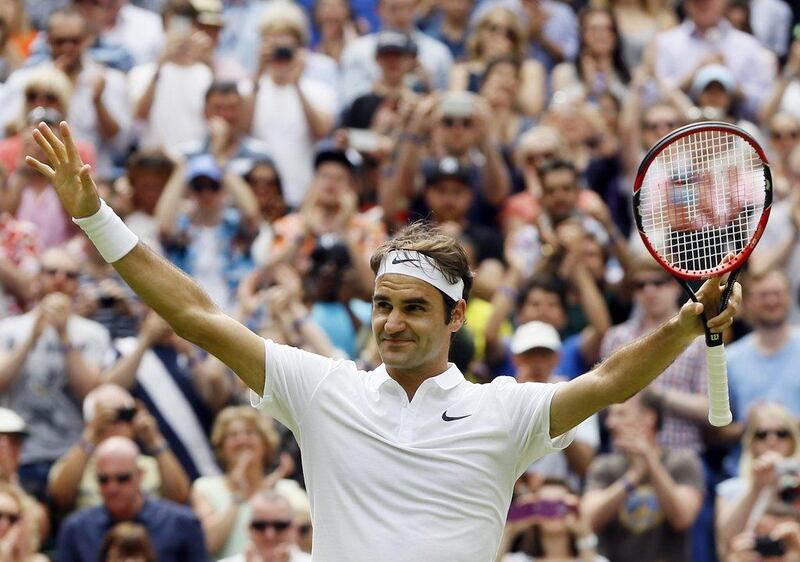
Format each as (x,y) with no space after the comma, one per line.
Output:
(66,172)
(710,296)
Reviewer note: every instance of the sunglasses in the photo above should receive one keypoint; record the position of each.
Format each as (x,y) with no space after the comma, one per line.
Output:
(124,478)
(261,525)
(451,122)
(783,135)
(533,158)
(642,283)
(68,274)
(762,434)
(34,95)
(61,41)
(12,518)
(662,125)
(504,29)
(204,184)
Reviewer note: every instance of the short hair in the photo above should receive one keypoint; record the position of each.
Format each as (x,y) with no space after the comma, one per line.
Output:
(756,275)
(446,252)
(223,87)
(555,165)
(650,401)
(52,80)
(544,283)
(129,539)
(271,496)
(283,16)
(68,12)
(150,159)
(262,424)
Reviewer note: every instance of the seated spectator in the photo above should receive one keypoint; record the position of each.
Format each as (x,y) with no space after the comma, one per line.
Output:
(770,450)
(450,24)
(127,542)
(204,239)
(174,530)
(225,137)
(358,59)
(167,94)
(246,442)
(772,347)
(499,34)
(109,410)
(334,21)
(272,531)
(642,500)
(536,347)
(775,536)
(600,67)
(51,360)
(291,111)
(19,533)
(546,525)
(681,389)
(181,387)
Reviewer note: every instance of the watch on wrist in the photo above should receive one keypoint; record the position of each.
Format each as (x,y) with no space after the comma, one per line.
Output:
(587,542)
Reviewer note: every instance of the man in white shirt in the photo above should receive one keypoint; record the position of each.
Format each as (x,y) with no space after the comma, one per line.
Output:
(409,461)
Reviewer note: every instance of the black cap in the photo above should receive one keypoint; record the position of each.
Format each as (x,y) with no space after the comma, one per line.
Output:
(447,167)
(391,41)
(333,155)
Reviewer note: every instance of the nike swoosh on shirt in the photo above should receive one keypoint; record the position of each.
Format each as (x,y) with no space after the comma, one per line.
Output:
(447,418)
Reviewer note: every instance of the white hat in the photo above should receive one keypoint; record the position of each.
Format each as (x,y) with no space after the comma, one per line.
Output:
(12,422)
(535,334)
(713,73)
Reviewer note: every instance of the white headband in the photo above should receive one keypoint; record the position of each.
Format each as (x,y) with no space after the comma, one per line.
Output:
(424,268)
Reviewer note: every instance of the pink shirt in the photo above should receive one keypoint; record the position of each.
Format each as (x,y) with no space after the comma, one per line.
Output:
(44,210)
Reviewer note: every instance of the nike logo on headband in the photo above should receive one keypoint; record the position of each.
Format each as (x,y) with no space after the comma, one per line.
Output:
(395,261)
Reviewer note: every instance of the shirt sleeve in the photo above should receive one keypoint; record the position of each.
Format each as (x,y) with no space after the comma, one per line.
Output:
(291,378)
(195,543)
(528,408)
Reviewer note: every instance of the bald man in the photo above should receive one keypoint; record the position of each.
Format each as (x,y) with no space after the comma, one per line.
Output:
(174,530)
(50,358)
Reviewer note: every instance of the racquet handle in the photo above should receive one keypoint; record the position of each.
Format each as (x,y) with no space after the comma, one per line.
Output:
(719,407)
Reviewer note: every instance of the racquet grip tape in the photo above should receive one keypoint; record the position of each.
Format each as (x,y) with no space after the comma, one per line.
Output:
(719,408)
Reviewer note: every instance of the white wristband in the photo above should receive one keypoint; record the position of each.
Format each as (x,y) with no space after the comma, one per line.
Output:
(112,238)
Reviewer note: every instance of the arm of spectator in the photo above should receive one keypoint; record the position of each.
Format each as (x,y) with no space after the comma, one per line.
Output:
(459,77)
(680,503)
(16,280)
(791,71)
(732,515)
(11,361)
(596,208)
(106,121)
(320,123)
(174,481)
(531,95)
(217,523)
(402,184)
(210,379)
(13,193)
(243,199)
(296,322)
(495,180)
(606,493)
(123,372)
(579,456)
(503,303)
(169,203)
(778,257)
(688,405)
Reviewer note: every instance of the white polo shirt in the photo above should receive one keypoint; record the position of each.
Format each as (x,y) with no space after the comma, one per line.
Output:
(425,481)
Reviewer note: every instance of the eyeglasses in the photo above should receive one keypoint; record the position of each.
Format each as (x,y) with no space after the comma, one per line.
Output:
(509,32)
(785,135)
(261,525)
(12,518)
(533,158)
(124,478)
(640,284)
(451,122)
(62,41)
(34,95)
(68,274)
(762,434)
(650,126)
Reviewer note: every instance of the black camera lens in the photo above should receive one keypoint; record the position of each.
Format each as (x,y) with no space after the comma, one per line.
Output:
(126,414)
(283,53)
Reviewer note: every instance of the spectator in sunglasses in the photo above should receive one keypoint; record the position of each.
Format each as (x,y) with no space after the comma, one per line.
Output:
(769,449)
(272,530)
(19,541)
(174,529)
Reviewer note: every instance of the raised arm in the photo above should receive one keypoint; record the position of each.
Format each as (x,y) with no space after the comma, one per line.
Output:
(633,367)
(167,290)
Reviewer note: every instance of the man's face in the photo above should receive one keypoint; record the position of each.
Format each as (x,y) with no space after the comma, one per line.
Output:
(227,106)
(119,480)
(59,274)
(543,306)
(657,122)
(449,199)
(207,193)
(559,194)
(147,185)
(535,365)
(629,419)
(394,65)
(715,95)
(397,14)
(706,13)
(656,292)
(68,39)
(768,301)
(408,324)
(458,133)
(263,180)
(331,181)
(271,527)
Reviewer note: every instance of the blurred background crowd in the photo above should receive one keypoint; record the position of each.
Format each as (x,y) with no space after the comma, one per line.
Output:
(267,147)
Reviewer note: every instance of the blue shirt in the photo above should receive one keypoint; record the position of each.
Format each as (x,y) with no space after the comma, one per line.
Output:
(754,376)
(174,531)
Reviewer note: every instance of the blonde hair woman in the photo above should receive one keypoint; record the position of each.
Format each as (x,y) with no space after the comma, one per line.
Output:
(19,538)
(246,442)
(770,447)
(498,34)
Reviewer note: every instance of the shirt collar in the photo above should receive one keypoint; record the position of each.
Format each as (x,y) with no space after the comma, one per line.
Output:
(451,378)
(723,27)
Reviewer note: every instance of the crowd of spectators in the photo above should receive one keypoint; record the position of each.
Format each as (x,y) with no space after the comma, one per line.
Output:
(266,148)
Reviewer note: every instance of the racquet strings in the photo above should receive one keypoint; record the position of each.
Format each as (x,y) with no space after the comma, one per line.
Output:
(702,198)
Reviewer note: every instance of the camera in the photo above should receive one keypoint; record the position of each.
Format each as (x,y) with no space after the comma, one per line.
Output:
(126,414)
(766,546)
(283,53)
(788,481)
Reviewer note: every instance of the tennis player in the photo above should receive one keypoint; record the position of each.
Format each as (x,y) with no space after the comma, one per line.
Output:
(409,462)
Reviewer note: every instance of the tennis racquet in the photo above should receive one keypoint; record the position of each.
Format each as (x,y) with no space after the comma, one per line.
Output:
(702,193)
